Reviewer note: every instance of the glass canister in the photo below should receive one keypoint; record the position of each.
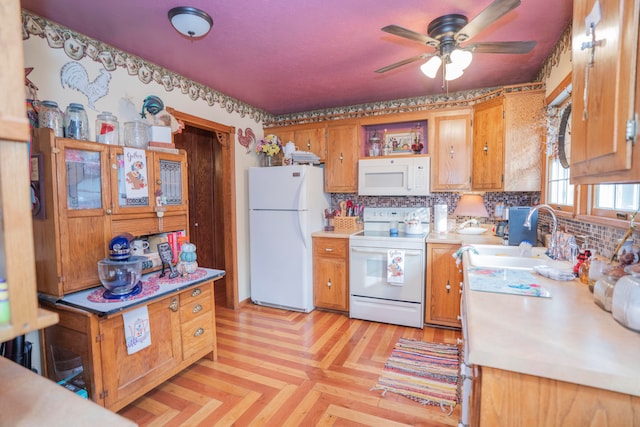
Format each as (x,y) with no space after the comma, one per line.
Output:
(625,305)
(50,116)
(76,122)
(107,128)
(136,134)
(604,287)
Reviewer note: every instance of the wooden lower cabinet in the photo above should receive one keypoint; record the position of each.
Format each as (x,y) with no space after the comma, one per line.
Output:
(182,326)
(504,398)
(331,273)
(444,278)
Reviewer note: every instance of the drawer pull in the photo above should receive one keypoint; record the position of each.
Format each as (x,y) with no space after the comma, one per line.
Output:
(174,305)
(198,332)
(196,292)
(328,249)
(196,308)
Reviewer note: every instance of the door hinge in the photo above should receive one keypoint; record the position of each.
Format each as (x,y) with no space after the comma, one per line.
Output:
(99,337)
(632,126)
(104,394)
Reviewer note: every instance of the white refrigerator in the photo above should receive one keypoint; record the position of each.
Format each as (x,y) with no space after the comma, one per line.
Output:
(286,205)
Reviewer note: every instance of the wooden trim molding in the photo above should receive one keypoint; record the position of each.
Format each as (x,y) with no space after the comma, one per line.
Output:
(226,136)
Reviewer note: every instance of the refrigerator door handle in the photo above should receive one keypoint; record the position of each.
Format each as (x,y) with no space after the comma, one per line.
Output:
(301,227)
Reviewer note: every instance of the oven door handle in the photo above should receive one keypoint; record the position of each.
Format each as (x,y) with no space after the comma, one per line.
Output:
(384,252)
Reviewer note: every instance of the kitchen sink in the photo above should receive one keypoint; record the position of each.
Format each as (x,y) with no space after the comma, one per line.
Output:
(507,257)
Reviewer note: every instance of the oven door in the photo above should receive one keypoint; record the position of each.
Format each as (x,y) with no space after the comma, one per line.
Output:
(369,265)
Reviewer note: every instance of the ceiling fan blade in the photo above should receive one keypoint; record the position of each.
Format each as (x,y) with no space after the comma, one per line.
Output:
(404,62)
(485,18)
(501,47)
(397,30)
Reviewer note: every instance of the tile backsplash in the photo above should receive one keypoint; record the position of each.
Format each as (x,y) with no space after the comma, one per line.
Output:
(601,239)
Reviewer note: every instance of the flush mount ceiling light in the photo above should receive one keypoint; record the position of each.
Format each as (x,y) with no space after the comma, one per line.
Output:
(190,22)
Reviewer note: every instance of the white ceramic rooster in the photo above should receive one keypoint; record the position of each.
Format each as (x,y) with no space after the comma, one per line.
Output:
(74,76)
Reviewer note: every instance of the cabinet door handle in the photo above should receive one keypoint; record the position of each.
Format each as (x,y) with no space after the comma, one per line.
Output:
(459,340)
(198,332)
(341,157)
(329,283)
(448,286)
(309,144)
(451,152)
(486,149)
(459,317)
(174,305)
(197,308)
(159,182)
(108,211)
(196,292)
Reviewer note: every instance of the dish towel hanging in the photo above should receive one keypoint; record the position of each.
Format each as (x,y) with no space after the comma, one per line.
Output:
(395,267)
(136,329)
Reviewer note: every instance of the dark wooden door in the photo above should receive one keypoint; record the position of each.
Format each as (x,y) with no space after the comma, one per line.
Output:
(205,197)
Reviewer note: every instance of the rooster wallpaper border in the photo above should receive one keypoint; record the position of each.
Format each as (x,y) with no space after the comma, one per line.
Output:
(78,46)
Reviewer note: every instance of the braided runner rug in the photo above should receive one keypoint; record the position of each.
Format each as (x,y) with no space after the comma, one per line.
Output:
(425,372)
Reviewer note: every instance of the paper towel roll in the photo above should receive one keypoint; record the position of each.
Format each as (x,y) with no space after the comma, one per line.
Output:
(440,218)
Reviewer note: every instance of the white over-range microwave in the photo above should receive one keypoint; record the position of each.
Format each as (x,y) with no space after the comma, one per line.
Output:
(394,176)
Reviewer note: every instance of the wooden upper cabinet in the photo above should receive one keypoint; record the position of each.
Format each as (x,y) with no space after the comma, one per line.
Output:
(601,150)
(450,134)
(488,145)
(307,137)
(341,164)
(507,142)
(523,136)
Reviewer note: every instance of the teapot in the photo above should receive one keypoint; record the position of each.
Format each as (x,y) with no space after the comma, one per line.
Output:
(413,222)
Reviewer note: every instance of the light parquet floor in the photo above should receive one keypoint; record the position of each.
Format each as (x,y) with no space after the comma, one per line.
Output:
(282,368)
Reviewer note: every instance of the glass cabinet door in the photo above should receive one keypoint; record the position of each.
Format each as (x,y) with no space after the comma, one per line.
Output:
(84,185)
(171,182)
(132,180)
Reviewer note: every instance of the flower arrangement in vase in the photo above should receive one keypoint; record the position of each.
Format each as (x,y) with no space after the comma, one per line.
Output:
(269,147)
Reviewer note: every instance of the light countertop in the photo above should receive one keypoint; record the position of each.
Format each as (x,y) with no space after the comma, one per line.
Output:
(566,337)
(465,239)
(335,234)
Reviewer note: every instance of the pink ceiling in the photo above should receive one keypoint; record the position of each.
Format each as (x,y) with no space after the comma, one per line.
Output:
(287,56)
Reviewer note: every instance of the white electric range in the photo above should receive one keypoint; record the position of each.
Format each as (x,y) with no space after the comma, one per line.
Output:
(387,271)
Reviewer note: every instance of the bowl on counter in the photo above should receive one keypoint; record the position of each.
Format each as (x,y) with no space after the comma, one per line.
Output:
(120,277)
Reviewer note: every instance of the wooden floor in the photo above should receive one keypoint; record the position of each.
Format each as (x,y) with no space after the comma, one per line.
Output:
(282,368)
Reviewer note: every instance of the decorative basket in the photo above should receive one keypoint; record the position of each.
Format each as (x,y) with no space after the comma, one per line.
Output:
(345,223)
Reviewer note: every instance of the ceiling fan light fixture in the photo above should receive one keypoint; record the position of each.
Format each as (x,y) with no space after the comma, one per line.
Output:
(431,67)
(461,58)
(452,71)
(190,22)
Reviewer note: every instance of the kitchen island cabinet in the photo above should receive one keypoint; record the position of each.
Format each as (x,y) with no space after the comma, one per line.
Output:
(607,76)
(84,205)
(548,361)
(331,273)
(91,342)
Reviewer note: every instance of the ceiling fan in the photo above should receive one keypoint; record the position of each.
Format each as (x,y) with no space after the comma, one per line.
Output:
(445,34)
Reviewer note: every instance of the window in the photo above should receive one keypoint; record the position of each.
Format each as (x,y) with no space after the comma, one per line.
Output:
(559,190)
(617,197)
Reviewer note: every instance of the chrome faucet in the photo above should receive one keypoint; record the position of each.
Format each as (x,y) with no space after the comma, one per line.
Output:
(553,245)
